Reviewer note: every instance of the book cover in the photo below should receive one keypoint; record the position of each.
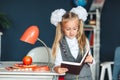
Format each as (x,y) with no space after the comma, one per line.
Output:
(73,67)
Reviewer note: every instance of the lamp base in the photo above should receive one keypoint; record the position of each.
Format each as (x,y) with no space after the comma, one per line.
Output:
(33,67)
(41,68)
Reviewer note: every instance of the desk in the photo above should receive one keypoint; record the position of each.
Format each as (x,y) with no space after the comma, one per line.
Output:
(23,75)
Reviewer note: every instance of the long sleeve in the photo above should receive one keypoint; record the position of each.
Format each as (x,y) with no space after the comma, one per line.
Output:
(58,59)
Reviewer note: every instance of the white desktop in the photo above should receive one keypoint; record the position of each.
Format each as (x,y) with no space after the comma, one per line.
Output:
(23,75)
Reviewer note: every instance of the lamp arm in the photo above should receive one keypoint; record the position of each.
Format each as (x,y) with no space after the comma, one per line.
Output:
(48,51)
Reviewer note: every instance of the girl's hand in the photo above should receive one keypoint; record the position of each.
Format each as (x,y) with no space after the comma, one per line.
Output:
(89,59)
(60,70)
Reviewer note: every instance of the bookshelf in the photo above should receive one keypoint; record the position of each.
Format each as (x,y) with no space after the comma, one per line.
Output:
(92,31)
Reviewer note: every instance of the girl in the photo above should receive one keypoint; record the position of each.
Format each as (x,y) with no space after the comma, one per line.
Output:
(70,42)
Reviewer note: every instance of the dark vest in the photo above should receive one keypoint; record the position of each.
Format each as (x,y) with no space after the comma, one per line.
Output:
(67,56)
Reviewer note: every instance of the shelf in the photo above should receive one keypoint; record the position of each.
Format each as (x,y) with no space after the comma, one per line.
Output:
(89,26)
(92,32)
(88,29)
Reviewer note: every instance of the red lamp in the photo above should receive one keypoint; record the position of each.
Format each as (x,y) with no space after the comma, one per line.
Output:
(31,36)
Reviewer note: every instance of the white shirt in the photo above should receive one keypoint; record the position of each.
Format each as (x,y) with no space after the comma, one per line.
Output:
(74,48)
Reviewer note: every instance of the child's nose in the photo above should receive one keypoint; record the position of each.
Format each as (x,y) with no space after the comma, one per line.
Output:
(71,32)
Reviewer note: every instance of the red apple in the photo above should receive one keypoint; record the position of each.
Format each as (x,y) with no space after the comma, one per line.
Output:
(27,60)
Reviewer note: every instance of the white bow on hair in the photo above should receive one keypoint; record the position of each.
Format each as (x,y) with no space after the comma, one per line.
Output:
(56,16)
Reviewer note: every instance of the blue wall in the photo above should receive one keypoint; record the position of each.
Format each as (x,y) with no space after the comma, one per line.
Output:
(24,13)
(110,29)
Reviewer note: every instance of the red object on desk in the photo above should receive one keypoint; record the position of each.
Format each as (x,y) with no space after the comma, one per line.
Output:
(27,60)
(41,68)
(30,35)
(32,67)
(61,78)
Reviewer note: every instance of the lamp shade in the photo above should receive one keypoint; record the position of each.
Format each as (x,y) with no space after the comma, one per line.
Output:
(30,35)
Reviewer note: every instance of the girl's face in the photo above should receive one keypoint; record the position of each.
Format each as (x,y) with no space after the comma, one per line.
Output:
(70,28)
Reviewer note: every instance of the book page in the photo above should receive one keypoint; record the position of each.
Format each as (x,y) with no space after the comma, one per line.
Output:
(71,63)
(77,64)
(85,55)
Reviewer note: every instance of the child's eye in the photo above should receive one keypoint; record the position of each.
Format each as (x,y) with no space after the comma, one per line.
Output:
(68,29)
(75,28)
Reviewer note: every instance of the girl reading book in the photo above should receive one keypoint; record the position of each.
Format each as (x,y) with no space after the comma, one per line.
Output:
(70,42)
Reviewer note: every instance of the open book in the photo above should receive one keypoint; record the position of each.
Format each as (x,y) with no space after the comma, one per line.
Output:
(73,67)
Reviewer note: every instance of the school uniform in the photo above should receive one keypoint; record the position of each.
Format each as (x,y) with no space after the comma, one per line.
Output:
(69,51)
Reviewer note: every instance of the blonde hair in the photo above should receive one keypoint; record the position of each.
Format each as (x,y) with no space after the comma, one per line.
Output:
(59,34)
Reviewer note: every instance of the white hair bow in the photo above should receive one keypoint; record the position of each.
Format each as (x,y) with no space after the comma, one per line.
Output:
(56,15)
